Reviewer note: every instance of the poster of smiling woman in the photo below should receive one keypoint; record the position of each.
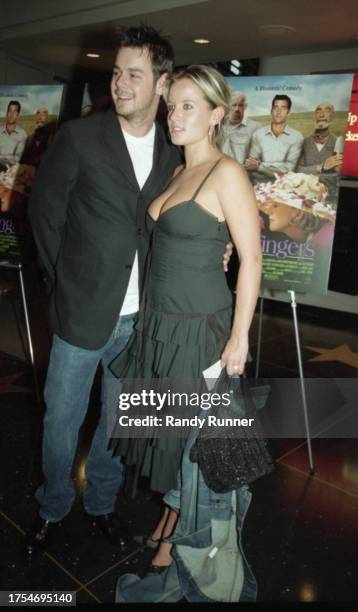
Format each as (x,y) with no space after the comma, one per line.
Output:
(288,133)
(28,121)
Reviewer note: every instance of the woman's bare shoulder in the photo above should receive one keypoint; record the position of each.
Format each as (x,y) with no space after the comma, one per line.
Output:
(230,170)
(231,166)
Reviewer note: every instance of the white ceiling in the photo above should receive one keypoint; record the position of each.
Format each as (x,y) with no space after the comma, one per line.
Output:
(60,32)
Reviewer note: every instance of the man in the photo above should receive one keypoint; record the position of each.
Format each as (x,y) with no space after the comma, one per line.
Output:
(237,136)
(275,148)
(321,150)
(12,137)
(40,139)
(87,210)
(41,117)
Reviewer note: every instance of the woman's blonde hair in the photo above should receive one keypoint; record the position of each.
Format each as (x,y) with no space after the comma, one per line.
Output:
(307,222)
(214,88)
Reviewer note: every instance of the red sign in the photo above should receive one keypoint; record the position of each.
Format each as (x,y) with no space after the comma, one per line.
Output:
(350,155)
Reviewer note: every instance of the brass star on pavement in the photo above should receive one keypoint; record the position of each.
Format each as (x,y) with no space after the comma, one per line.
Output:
(7,386)
(341,353)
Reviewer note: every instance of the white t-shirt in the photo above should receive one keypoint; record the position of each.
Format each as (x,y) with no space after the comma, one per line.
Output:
(141,153)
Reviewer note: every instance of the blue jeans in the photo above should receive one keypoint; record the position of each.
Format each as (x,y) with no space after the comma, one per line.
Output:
(207,521)
(68,384)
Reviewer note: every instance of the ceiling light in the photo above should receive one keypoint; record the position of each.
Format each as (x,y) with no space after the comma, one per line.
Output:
(93,55)
(201,41)
(276,29)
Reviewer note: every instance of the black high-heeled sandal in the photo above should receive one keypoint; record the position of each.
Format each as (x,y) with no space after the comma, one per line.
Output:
(147,541)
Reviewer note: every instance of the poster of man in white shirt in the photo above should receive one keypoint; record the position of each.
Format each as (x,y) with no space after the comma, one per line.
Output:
(295,172)
(28,121)
(275,148)
(239,131)
(12,136)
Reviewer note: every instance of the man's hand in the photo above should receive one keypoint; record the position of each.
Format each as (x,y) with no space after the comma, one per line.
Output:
(251,164)
(227,255)
(333,162)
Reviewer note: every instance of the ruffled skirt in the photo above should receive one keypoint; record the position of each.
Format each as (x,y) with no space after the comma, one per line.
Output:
(170,346)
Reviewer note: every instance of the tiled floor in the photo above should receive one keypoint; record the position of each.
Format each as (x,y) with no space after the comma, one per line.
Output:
(301,531)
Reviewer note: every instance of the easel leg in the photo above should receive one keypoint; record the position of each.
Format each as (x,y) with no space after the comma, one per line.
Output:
(259,337)
(302,380)
(28,332)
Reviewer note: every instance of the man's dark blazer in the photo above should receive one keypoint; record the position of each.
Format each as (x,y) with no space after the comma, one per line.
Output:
(88,218)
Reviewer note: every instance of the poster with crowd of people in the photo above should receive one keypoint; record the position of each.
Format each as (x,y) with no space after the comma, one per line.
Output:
(28,121)
(289,133)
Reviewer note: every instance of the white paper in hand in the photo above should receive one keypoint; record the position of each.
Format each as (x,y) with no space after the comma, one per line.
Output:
(211,374)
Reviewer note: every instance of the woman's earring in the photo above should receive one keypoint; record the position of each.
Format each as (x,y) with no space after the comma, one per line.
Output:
(211,133)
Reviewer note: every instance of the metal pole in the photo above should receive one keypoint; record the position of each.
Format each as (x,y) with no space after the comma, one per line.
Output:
(303,389)
(259,337)
(28,331)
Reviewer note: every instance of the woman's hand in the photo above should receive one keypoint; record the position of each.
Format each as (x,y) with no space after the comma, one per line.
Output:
(235,355)
(227,255)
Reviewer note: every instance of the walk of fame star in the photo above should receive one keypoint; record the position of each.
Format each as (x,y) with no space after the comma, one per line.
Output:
(341,353)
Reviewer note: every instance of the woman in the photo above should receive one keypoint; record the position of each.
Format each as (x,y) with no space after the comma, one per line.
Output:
(185,325)
(296,205)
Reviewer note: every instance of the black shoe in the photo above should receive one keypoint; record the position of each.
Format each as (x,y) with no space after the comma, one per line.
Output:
(113,530)
(38,537)
(146,541)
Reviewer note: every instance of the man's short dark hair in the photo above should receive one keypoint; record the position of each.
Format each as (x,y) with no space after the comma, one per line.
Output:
(14,103)
(282,97)
(159,48)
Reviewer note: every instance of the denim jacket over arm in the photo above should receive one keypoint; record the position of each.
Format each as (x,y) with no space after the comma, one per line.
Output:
(204,523)
(209,564)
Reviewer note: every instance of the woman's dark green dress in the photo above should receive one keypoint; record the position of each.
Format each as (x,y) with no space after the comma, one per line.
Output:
(185,323)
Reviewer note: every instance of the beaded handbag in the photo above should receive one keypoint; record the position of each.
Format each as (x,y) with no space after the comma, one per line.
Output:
(228,453)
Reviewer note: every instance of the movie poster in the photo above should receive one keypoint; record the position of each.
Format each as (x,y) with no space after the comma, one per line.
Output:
(28,121)
(350,161)
(288,132)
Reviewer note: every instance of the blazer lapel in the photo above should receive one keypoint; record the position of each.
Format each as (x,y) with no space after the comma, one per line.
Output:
(159,172)
(114,141)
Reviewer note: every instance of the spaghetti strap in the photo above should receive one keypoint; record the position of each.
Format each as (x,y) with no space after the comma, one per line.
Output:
(206,178)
